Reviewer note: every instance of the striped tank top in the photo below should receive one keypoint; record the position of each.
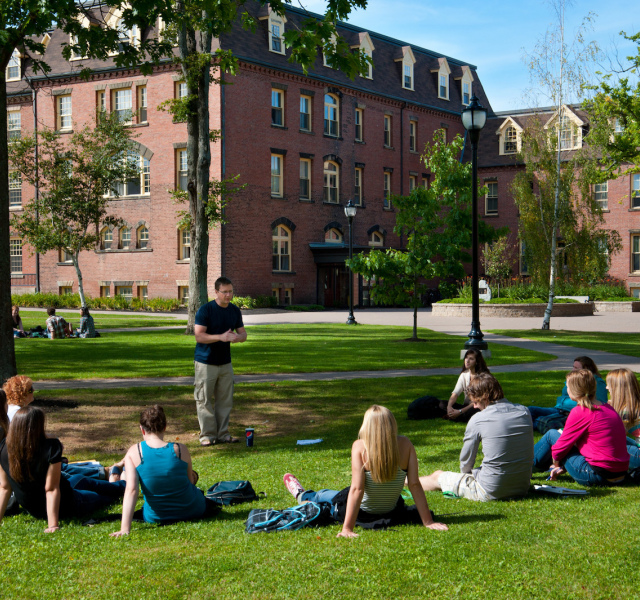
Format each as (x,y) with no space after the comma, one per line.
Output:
(381,498)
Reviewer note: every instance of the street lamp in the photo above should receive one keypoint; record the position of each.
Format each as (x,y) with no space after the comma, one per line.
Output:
(474,118)
(350,211)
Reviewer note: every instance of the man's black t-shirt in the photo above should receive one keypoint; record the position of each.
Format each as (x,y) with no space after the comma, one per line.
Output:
(217,320)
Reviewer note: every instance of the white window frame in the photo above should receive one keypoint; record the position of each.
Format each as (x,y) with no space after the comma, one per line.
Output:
(359,125)
(358,179)
(510,140)
(376,239)
(331,43)
(408,61)
(601,195)
(181,90)
(305,178)
(277,107)
(331,115)
(142,237)
(276,26)
(142,111)
(15,189)
(491,197)
(13,72)
(126,291)
(144,182)
(305,115)
(366,46)
(635,190)
(331,187)
(387,131)
(386,202)
(122,105)
(277,170)
(184,244)
(64,113)
(14,125)
(333,236)
(281,249)
(125,237)
(413,183)
(15,255)
(181,169)
(413,136)
(106,238)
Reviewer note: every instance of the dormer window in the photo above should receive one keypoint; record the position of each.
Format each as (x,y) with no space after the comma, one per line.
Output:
(366,46)
(276,25)
(466,85)
(330,46)
(443,71)
(407,60)
(570,126)
(127,35)
(510,140)
(12,72)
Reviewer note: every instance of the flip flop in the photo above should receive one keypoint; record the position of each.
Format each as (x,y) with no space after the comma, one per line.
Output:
(206,443)
(229,440)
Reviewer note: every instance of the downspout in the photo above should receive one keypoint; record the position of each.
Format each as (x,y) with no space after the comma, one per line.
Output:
(223,228)
(34,104)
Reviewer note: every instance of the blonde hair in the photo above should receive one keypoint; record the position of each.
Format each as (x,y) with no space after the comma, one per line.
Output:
(625,395)
(582,384)
(17,390)
(379,434)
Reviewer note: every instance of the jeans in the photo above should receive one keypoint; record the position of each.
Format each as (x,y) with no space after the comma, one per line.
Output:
(90,495)
(86,469)
(574,463)
(634,453)
(541,411)
(322,497)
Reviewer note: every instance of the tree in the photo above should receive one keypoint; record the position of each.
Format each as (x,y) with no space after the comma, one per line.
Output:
(615,117)
(437,221)
(556,202)
(77,180)
(558,71)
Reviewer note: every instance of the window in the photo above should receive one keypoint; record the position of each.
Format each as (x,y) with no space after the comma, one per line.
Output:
(12,72)
(15,189)
(618,127)
(387,131)
(635,253)
(288,296)
(281,238)
(407,81)
(276,29)
(15,253)
(329,47)
(143,237)
(181,170)
(359,124)
(65,289)
(14,125)
(524,269)
(601,195)
(305,113)
(183,294)
(125,238)
(510,140)
(413,129)
(63,104)
(305,179)
(387,190)
(333,236)
(128,35)
(184,244)
(357,192)
(366,46)
(466,85)
(121,105)
(126,291)
(443,88)
(143,292)
(466,92)
(635,190)
(277,108)
(412,183)
(331,115)
(276,175)
(142,103)
(106,239)
(65,256)
(408,60)
(101,101)
(105,291)
(491,199)
(566,133)
(331,182)
(139,184)
(181,89)
(376,239)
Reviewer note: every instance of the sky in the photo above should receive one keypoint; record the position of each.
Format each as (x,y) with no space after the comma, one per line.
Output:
(494,35)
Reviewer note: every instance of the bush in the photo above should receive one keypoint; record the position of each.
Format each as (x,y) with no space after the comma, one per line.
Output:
(305,307)
(45,300)
(247,302)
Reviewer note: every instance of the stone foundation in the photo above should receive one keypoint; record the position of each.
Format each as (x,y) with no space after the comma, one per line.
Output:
(617,306)
(515,310)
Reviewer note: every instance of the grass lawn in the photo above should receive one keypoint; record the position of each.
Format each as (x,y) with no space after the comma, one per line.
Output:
(537,547)
(269,349)
(34,318)
(619,343)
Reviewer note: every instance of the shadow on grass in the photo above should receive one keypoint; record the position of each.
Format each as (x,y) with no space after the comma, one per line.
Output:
(461,519)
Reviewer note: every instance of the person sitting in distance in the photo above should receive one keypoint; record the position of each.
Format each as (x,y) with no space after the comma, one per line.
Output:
(57,327)
(506,434)
(472,364)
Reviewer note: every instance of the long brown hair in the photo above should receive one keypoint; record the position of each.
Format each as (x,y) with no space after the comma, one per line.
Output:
(26,434)
(481,365)
(625,395)
(4,419)
(587,363)
(379,434)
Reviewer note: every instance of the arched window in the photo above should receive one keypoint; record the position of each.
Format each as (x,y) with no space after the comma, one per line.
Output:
(125,237)
(138,185)
(333,236)
(12,72)
(106,238)
(143,237)
(376,239)
(331,182)
(510,140)
(281,242)
(128,35)
(331,115)
(184,244)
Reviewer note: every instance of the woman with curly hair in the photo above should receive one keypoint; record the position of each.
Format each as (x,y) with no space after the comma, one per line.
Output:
(19,391)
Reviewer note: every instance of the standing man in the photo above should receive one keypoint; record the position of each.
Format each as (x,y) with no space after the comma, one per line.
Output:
(218,325)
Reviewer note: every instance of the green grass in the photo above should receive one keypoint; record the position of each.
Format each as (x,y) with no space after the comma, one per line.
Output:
(619,343)
(269,349)
(538,547)
(32,318)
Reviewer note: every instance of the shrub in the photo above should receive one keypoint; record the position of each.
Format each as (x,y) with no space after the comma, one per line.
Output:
(247,302)
(305,307)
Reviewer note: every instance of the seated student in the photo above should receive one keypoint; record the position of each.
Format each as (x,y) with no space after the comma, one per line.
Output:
(564,403)
(506,434)
(380,461)
(473,364)
(87,327)
(593,445)
(165,475)
(30,466)
(18,329)
(19,392)
(57,327)
(625,399)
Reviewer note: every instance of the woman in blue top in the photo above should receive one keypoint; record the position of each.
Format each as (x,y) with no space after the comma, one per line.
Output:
(564,404)
(165,476)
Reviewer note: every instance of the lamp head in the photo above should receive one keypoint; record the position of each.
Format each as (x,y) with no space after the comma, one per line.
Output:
(350,210)
(474,116)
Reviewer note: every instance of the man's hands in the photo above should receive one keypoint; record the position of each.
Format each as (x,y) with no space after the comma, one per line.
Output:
(229,336)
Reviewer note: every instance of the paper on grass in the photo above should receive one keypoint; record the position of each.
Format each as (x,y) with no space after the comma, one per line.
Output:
(309,442)
(562,491)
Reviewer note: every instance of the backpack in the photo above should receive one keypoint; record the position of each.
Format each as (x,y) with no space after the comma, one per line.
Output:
(289,519)
(544,424)
(228,493)
(426,407)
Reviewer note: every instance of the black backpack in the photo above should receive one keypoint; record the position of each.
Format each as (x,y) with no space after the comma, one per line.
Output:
(426,407)
(228,493)
(289,519)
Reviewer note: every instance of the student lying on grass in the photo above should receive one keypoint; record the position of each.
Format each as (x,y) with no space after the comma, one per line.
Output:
(164,472)
(380,461)
(30,465)
(593,445)
(506,434)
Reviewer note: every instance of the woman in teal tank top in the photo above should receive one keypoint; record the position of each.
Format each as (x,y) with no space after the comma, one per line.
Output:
(165,475)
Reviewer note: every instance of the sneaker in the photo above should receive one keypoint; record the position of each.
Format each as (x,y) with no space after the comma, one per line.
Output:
(293,485)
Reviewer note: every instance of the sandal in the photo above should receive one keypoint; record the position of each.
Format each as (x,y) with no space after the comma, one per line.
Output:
(229,440)
(206,443)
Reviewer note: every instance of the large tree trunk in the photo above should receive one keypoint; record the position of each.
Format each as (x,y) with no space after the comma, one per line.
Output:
(7,350)
(76,264)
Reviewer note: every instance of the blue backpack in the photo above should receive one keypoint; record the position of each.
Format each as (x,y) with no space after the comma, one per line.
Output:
(289,519)
(228,493)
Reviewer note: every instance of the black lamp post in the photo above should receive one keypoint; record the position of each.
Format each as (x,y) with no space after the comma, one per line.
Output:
(350,210)
(474,118)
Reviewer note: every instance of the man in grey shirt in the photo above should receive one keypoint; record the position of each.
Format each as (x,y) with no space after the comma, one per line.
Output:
(506,433)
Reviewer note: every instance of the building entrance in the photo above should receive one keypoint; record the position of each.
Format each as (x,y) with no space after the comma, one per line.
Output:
(333,285)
